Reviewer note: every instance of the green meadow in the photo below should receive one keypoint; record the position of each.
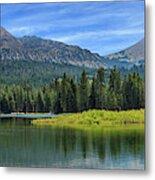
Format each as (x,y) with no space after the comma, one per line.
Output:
(95,118)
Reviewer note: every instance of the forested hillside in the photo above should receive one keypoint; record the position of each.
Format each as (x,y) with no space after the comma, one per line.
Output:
(67,95)
(40,74)
(37,73)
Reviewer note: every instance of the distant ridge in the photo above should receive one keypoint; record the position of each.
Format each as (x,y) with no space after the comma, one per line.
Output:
(133,54)
(33,48)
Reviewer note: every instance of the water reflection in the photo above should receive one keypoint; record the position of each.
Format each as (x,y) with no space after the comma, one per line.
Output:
(27,146)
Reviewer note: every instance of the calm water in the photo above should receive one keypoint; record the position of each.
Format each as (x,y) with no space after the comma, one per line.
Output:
(31,116)
(24,145)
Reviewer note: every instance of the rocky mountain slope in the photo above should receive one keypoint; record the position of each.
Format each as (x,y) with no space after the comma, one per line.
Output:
(7,40)
(32,48)
(133,54)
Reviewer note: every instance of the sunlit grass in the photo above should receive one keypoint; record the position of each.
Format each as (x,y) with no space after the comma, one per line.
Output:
(96,118)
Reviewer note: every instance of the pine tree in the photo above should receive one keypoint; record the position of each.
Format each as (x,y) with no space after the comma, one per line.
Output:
(112,103)
(83,92)
(58,98)
(40,102)
(72,97)
(92,97)
(133,92)
(57,104)
(48,102)
(99,86)
(115,87)
(11,103)
(67,96)
(64,89)
(114,81)
(5,104)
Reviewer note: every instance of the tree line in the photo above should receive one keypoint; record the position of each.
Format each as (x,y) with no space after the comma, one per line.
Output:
(67,95)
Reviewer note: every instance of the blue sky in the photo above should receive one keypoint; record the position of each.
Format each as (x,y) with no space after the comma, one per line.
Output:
(102,27)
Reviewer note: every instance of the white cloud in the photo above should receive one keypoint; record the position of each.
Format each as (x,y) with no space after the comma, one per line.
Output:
(27,30)
(22,30)
(96,34)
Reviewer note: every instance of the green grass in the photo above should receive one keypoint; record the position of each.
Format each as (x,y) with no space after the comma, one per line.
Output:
(96,118)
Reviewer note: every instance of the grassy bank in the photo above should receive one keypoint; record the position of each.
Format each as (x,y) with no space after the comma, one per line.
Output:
(96,118)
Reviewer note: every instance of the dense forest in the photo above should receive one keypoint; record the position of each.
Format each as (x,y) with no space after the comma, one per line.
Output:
(67,95)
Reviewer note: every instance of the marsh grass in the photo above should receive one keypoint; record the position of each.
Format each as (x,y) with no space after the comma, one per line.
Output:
(96,118)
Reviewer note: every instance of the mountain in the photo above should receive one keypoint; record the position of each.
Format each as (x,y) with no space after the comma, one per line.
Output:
(38,61)
(133,54)
(7,40)
(32,48)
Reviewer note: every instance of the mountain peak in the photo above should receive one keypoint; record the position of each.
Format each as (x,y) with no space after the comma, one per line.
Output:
(3,30)
(7,39)
(133,54)
(33,48)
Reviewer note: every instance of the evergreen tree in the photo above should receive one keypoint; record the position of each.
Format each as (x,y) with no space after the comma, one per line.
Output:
(58,98)
(101,75)
(83,91)
(71,97)
(64,89)
(48,102)
(5,104)
(133,92)
(115,87)
(40,102)
(114,81)
(11,103)
(57,104)
(100,84)
(92,97)
(112,103)
(64,95)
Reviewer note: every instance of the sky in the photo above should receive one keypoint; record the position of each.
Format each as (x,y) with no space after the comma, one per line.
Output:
(101,27)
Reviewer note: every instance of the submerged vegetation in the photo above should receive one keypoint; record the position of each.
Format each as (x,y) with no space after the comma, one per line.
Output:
(96,117)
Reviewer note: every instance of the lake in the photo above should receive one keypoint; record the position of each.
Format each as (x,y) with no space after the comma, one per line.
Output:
(25,145)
